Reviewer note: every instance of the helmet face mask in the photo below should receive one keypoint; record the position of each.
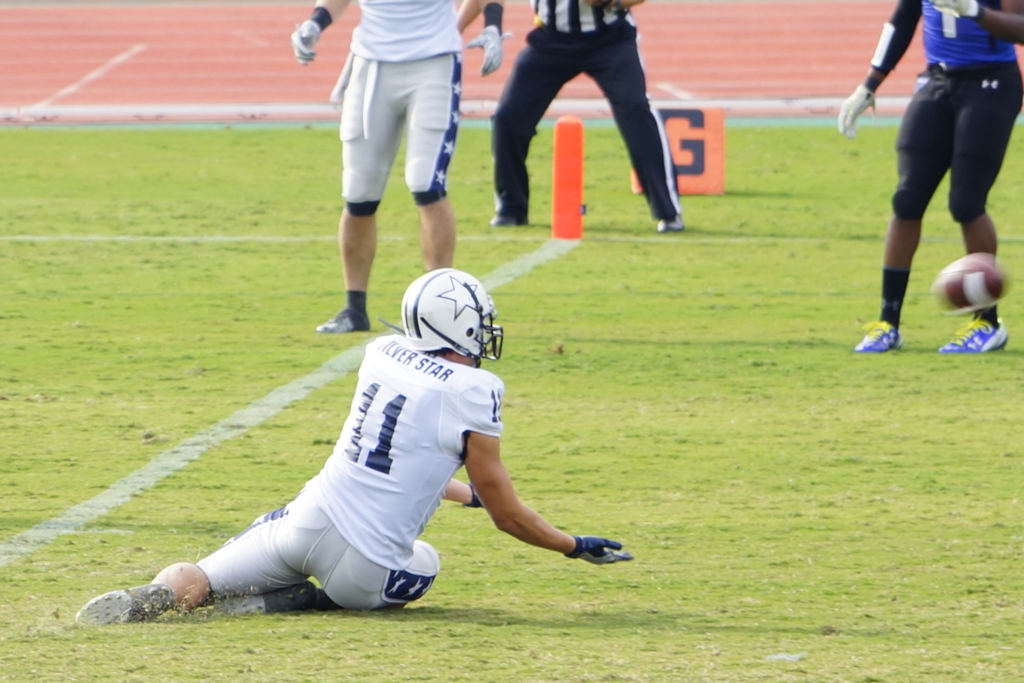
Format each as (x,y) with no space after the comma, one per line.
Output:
(449,309)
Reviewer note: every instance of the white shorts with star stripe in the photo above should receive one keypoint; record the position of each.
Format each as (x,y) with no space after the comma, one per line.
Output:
(380,100)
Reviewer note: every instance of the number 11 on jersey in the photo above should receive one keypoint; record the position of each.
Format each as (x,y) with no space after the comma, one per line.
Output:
(378,459)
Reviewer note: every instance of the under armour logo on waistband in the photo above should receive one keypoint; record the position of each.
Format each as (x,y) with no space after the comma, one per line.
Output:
(990,84)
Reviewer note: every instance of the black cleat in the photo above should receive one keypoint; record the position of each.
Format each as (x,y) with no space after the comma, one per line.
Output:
(347,320)
(500,221)
(141,603)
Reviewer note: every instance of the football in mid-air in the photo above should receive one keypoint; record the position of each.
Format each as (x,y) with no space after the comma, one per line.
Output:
(972,283)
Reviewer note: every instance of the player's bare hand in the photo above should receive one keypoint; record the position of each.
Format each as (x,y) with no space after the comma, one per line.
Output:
(598,550)
(854,106)
(491,42)
(958,8)
(304,40)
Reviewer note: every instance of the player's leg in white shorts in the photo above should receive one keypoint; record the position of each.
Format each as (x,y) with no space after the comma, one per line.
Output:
(371,131)
(432,125)
(346,575)
(299,542)
(251,562)
(381,100)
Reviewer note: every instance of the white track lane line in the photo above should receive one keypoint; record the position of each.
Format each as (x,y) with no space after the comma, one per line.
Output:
(471,109)
(172,460)
(245,35)
(678,93)
(89,77)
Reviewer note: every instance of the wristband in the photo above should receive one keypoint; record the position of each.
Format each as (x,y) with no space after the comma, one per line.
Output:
(492,15)
(321,17)
(980,14)
(872,83)
(475,501)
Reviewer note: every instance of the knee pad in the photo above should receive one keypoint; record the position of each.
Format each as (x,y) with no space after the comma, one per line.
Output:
(362,209)
(965,207)
(909,205)
(413,582)
(425,560)
(428,197)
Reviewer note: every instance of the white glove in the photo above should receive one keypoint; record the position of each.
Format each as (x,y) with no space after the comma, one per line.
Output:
(303,41)
(491,41)
(854,106)
(958,8)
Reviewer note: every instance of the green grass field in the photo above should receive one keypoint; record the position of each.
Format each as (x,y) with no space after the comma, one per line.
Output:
(798,512)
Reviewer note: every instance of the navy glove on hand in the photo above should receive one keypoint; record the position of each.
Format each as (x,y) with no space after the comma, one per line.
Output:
(598,550)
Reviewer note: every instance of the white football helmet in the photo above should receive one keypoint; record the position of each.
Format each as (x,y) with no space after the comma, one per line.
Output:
(449,309)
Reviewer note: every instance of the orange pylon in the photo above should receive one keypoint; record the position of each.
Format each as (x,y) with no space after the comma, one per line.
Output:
(567,206)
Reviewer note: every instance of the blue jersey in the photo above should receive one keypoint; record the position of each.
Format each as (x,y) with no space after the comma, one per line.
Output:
(961,42)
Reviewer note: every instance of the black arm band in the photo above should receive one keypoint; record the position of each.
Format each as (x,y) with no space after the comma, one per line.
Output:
(981,12)
(492,15)
(872,83)
(321,17)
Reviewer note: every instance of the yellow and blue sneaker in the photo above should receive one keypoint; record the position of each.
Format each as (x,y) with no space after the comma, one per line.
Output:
(978,336)
(881,337)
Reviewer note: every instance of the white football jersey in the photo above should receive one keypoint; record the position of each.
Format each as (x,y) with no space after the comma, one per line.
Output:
(401,444)
(405,30)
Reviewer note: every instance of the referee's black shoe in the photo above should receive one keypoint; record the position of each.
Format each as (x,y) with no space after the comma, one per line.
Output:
(671,225)
(500,221)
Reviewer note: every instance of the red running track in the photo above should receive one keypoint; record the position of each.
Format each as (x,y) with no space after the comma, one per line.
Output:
(227,61)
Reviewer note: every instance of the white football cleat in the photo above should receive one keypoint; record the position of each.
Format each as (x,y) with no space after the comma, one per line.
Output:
(122,606)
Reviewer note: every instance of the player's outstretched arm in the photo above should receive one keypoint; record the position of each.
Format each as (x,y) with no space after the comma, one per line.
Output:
(469,10)
(306,34)
(892,45)
(492,484)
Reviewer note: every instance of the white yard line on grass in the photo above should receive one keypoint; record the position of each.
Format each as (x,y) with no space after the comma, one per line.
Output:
(198,239)
(174,459)
(683,238)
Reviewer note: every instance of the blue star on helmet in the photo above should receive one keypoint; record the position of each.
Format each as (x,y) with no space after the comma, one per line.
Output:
(461,295)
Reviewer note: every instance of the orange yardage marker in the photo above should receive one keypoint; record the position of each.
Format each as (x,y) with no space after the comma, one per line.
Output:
(567,180)
(696,138)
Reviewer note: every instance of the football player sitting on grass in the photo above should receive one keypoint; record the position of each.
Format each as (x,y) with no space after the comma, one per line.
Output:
(422,409)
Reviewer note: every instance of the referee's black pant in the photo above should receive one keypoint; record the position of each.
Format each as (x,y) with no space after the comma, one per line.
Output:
(549,61)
